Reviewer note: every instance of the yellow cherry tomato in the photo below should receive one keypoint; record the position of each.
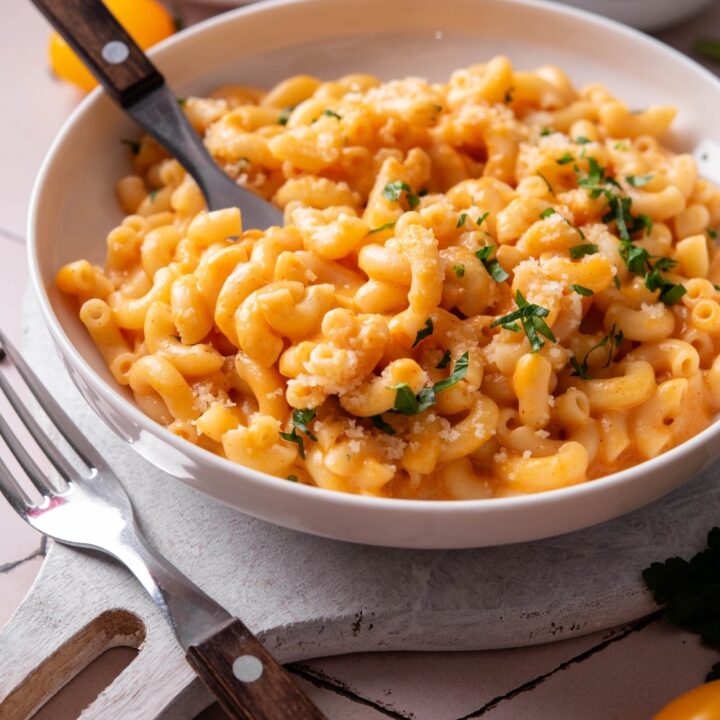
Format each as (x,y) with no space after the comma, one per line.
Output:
(700,703)
(147,21)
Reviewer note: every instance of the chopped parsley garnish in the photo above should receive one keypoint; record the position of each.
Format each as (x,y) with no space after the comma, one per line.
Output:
(293,437)
(670,292)
(639,262)
(565,159)
(712,233)
(426,331)
(638,181)
(614,338)
(508,97)
(285,114)
(547,183)
(716,286)
(386,226)
(637,259)
(596,182)
(458,373)
(461,220)
(482,218)
(547,212)
(293,478)
(689,592)
(301,418)
(582,140)
(445,360)
(134,146)
(406,403)
(393,192)
(493,267)
(545,132)
(708,48)
(531,317)
(581,290)
(380,424)
(181,102)
(459,270)
(578,251)
(332,114)
(153,194)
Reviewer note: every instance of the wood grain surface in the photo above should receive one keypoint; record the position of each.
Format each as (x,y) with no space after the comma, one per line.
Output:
(259,687)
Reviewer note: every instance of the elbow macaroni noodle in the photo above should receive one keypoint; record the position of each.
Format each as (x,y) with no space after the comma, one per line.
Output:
(493,286)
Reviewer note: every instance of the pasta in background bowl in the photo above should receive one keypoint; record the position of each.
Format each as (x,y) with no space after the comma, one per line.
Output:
(487,287)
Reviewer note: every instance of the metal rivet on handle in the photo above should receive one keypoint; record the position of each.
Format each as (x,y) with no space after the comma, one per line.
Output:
(115,52)
(247,668)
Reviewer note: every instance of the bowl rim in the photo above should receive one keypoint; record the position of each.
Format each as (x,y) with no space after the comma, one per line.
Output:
(270,482)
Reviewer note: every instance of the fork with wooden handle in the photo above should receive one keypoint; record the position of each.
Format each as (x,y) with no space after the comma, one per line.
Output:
(136,85)
(90,509)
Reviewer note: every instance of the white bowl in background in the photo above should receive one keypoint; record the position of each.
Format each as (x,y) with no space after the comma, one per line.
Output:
(646,15)
(74,206)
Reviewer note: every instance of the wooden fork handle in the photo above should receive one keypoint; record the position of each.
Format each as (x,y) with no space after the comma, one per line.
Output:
(105,47)
(247,681)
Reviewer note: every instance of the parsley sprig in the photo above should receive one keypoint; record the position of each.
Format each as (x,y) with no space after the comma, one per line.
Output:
(382,228)
(547,212)
(531,317)
(301,418)
(134,145)
(424,332)
(444,360)
(285,114)
(407,403)
(393,191)
(689,592)
(494,269)
(613,338)
(380,424)
(637,259)
(578,251)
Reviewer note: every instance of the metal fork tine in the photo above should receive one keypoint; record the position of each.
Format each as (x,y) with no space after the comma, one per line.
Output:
(61,421)
(13,492)
(31,468)
(52,452)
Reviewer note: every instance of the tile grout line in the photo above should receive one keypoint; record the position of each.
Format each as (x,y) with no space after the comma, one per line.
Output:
(10,235)
(635,626)
(40,552)
(323,681)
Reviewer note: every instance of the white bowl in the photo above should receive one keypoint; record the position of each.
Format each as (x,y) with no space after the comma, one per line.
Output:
(73,207)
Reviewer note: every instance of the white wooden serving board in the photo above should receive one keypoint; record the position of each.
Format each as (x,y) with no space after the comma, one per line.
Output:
(309,597)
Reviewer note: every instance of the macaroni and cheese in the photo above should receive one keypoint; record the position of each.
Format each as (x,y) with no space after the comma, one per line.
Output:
(493,286)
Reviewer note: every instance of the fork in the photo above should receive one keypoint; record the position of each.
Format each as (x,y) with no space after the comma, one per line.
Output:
(137,86)
(92,510)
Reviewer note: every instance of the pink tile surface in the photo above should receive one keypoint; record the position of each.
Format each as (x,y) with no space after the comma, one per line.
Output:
(626,679)
(17,540)
(629,680)
(14,585)
(39,108)
(452,685)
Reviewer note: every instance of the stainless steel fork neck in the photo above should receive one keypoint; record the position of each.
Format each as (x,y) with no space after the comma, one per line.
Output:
(191,613)
(159,114)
